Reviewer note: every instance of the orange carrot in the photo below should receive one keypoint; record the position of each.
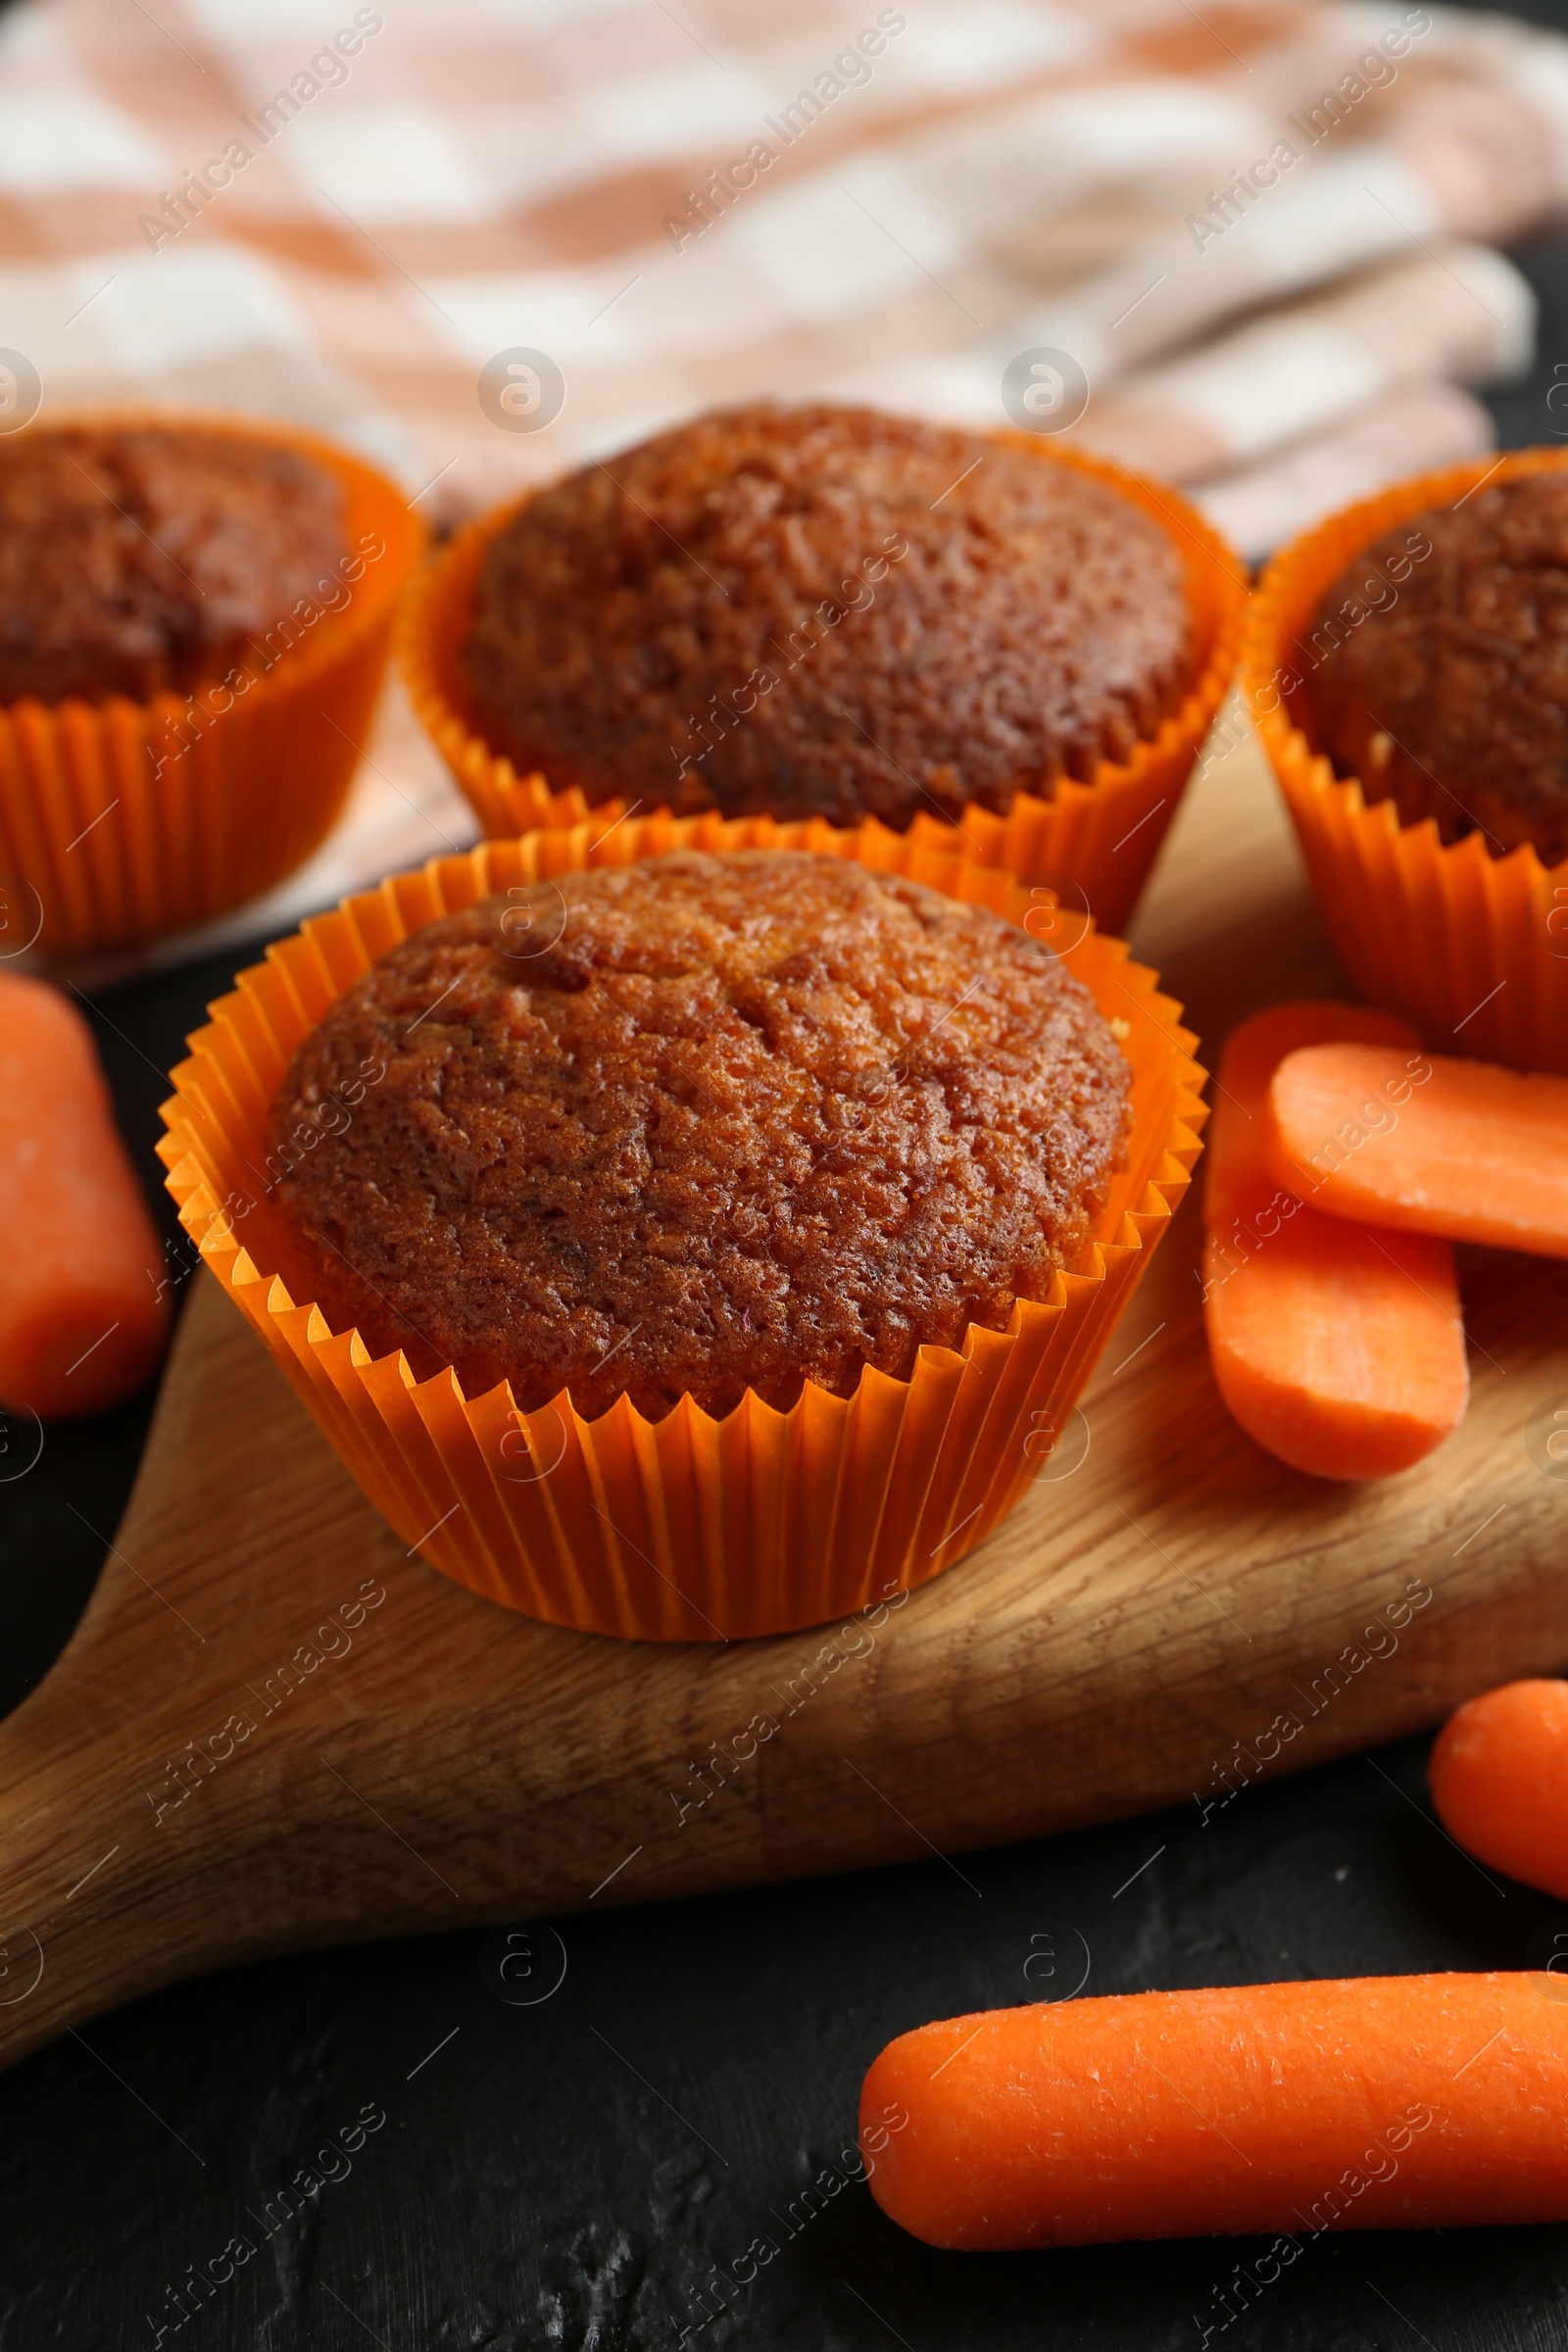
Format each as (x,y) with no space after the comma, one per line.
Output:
(1339,1347)
(1372,2103)
(82,1316)
(1425,1143)
(1500,1781)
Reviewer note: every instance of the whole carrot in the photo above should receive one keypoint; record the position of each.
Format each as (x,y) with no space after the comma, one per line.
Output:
(81,1315)
(1500,1781)
(1376,2103)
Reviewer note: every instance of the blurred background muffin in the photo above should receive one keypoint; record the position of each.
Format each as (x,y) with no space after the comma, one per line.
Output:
(1443,666)
(1404,662)
(824,610)
(195,613)
(744,1121)
(140,561)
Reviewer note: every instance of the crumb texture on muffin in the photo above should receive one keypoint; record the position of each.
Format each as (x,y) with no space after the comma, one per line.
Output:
(141,561)
(692,1125)
(821,610)
(1446,690)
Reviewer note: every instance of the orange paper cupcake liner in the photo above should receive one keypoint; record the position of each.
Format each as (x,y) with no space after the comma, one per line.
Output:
(687,1528)
(1094,841)
(1472,948)
(125,820)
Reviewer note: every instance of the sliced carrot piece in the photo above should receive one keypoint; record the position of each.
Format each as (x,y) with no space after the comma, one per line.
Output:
(1338,1348)
(1239,1177)
(1342,1353)
(1426,1143)
(82,1319)
(1368,2103)
(1500,1781)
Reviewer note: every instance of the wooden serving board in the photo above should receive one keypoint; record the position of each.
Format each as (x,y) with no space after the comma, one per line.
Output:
(382,1751)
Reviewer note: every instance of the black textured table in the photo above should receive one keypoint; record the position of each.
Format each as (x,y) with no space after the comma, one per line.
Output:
(401,2144)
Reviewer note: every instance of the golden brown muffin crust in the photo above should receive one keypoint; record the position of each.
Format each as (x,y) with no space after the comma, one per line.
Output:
(693,1124)
(1453,700)
(821,610)
(137,562)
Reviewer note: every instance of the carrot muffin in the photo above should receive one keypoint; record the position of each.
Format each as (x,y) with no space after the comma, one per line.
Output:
(825,612)
(1450,698)
(140,561)
(696,1124)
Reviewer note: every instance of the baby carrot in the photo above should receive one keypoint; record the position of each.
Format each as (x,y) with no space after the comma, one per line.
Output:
(81,1317)
(1371,2103)
(1339,1347)
(1500,1781)
(1427,1143)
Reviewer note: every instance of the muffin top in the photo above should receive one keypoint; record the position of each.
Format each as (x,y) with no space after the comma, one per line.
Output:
(137,562)
(695,1124)
(1450,693)
(821,610)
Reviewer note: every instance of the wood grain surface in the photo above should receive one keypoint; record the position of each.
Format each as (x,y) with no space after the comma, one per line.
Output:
(274,1729)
